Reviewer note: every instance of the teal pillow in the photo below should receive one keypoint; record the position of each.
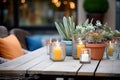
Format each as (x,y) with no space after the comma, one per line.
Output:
(34,42)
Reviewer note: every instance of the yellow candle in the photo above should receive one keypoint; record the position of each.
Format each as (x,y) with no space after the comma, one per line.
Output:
(57,52)
(110,49)
(79,47)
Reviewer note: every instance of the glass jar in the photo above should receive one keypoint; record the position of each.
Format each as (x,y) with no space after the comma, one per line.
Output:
(58,51)
(113,50)
(118,46)
(49,46)
(78,44)
(85,55)
(118,50)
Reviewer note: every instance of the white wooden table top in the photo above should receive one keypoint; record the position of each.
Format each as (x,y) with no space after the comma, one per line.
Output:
(38,62)
(68,67)
(108,68)
(17,65)
(88,69)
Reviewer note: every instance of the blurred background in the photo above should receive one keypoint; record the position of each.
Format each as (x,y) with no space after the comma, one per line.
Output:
(38,16)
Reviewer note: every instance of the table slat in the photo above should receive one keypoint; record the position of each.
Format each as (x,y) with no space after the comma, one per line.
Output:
(67,67)
(108,68)
(88,69)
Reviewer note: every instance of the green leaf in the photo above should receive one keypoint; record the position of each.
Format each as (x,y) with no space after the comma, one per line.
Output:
(59,29)
(65,23)
(72,25)
(66,28)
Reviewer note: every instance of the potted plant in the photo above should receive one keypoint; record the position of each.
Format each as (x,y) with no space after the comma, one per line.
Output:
(96,45)
(95,36)
(95,9)
(66,29)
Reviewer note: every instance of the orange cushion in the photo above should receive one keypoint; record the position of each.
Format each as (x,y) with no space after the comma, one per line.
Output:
(10,47)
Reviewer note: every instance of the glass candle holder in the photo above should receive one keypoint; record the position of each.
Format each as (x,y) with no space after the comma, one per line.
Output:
(49,46)
(118,49)
(117,41)
(113,50)
(58,51)
(85,55)
(77,46)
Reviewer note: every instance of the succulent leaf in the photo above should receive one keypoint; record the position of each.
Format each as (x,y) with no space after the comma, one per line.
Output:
(66,28)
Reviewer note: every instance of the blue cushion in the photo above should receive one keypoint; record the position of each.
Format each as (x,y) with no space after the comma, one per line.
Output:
(34,42)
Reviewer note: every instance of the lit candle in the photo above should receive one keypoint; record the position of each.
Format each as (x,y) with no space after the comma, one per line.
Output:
(79,47)
(57,52)
(84,57)
(110,49)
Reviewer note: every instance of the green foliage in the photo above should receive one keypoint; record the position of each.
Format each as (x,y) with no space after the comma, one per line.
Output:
(116,33)
(66,28)
(96,6)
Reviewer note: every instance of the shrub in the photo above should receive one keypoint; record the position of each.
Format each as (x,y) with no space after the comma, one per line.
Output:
(96,6)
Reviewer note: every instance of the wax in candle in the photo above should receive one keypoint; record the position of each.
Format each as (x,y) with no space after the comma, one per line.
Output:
(57,53)
(79,47)
(84,57)
(110,49)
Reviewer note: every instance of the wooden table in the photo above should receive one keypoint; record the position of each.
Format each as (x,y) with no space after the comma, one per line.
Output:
(38,63)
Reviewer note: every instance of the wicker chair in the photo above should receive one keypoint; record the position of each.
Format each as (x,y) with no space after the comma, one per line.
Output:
(20,34)
(3,31)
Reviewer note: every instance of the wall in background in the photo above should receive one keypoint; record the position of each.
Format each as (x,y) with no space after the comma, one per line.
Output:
(110,16)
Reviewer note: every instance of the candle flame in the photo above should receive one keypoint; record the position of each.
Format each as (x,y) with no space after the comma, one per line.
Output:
(110,43)
(57,44)
(80,41)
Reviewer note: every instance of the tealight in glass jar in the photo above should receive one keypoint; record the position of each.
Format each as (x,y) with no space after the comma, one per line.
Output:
(85,55)
(58,51)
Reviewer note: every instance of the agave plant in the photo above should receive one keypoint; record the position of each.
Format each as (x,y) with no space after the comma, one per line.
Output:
(66,28)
